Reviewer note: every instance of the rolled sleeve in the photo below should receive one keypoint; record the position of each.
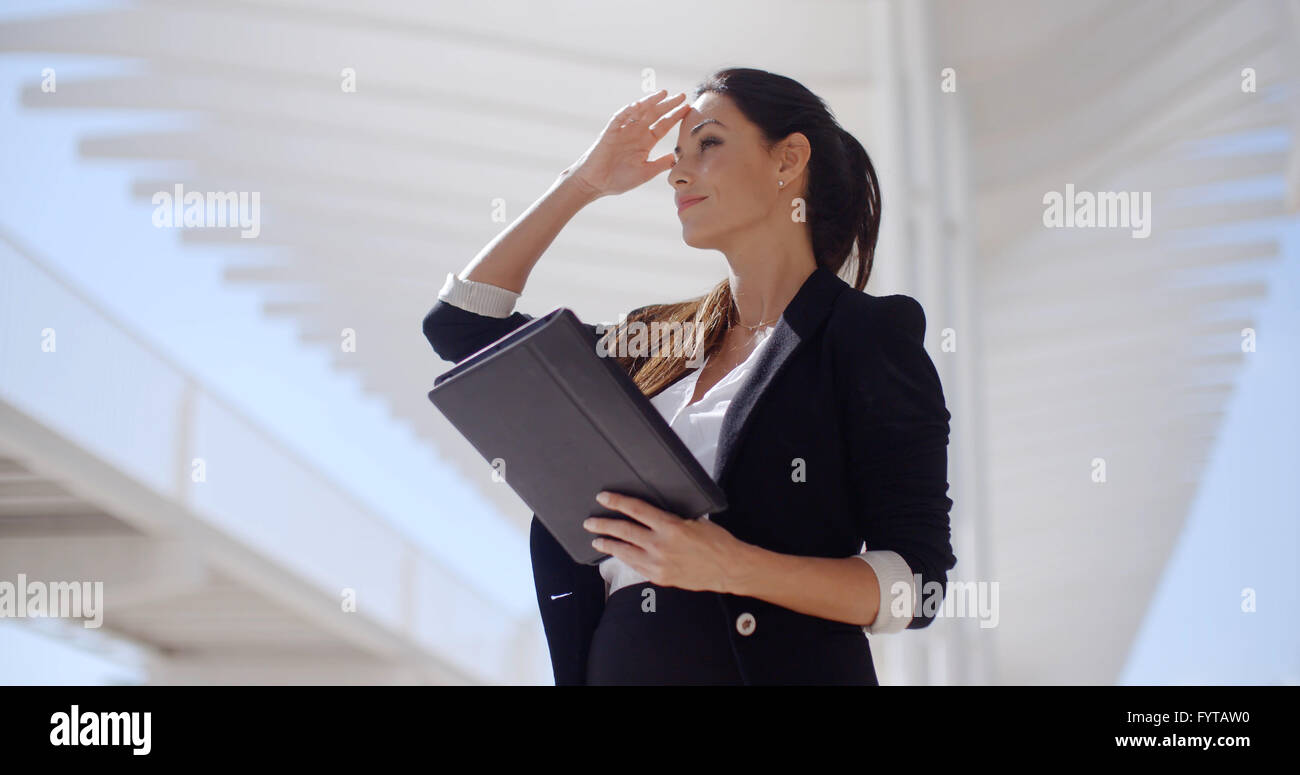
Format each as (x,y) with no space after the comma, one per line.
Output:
(470,315)
(896,584)
(482,298)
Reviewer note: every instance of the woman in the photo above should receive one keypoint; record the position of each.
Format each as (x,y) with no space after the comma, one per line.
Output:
(817,408)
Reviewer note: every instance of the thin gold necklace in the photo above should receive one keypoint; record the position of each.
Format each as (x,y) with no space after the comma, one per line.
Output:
(754,327)
(733,346)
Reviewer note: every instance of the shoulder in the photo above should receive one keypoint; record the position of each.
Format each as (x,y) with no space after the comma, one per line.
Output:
(860,319)
(878,355)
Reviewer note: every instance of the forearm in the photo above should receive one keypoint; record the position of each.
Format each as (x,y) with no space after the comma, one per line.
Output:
(509,258)
(843,589)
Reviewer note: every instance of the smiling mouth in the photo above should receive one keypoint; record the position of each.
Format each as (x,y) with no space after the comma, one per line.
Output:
(690,202)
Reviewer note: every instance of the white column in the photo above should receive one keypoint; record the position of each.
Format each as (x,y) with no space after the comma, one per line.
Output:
(932,259)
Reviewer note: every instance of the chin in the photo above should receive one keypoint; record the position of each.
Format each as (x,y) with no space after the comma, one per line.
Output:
(697,244)
(695,239)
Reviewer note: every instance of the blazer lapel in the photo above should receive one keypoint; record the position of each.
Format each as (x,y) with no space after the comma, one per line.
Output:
(800,319)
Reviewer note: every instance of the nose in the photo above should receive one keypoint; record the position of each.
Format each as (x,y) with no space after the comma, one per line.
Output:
(678,174)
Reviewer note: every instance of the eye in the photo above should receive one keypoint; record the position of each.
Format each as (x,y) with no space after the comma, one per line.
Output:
(704,143)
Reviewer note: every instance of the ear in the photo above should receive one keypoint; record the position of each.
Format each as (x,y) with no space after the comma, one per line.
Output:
(793,154)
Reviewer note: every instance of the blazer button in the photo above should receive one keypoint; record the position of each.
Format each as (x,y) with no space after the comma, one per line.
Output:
(745,623)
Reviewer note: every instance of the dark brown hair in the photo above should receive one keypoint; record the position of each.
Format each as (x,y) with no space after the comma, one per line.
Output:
(842,208)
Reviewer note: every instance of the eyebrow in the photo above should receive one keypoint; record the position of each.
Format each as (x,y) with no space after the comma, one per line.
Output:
(698,127)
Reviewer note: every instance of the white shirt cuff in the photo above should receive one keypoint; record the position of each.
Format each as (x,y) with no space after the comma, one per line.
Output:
(481,298)
(891,569)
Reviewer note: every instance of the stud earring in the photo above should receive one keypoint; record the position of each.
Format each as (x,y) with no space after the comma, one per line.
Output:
(780,184)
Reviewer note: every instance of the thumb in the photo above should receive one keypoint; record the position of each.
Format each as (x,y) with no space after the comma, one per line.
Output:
(662,164)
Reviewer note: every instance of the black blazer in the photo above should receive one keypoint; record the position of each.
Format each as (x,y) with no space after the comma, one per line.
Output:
(846,387)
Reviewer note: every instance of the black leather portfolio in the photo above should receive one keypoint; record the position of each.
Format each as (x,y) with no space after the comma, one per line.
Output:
(560,422)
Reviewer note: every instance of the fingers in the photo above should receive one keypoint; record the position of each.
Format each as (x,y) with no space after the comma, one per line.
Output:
(637,509)
(648,108)
(662,164)
(646,99)
(657,108)
(621,529)
(624,113)
(652,100)
(634,108)
(633,555)
(661,127)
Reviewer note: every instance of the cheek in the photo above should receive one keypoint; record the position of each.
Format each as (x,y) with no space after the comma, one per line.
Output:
(735,187)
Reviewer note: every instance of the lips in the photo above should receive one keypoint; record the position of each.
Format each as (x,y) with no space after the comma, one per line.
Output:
(688,201)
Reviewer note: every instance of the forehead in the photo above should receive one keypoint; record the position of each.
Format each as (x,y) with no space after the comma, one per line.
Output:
(709,105)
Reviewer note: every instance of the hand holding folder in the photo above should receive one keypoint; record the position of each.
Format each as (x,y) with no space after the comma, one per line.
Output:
(564,423)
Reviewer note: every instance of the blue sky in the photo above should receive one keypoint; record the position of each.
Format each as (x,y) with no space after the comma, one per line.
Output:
(1243,531)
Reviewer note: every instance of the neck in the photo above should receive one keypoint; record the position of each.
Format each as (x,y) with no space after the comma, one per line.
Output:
(764,283)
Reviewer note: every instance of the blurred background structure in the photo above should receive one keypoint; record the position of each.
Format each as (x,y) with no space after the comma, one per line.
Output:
(232,433)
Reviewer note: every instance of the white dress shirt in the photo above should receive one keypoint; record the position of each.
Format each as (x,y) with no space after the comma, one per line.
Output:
(698,426)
